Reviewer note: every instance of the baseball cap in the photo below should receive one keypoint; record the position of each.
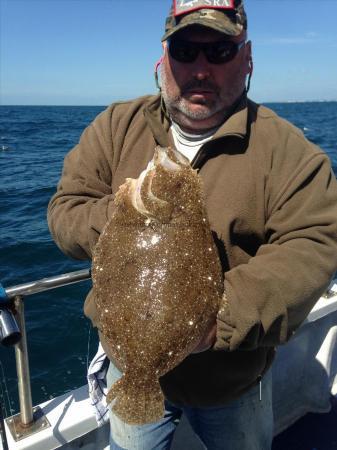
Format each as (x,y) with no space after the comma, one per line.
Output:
(225,16)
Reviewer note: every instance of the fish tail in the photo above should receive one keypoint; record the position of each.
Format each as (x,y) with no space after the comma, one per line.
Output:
(136,401)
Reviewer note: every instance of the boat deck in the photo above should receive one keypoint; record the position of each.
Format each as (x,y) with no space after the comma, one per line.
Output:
(311,432)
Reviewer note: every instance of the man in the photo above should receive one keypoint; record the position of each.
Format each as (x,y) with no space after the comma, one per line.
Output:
(272,204)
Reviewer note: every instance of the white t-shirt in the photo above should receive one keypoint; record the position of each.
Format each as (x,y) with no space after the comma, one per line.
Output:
(189,144)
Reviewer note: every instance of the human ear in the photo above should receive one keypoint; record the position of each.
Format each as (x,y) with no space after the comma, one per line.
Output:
(250,64)
(157,65)
(249,58)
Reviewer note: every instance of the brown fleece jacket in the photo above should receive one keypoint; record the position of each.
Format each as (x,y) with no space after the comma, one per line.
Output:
(271,199)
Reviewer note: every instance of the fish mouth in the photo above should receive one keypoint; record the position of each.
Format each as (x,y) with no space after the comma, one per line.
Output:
(170,160)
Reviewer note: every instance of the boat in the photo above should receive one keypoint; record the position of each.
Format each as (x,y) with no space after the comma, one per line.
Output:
(304,380)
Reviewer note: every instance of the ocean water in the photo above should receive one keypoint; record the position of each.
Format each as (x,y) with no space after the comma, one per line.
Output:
(33,143)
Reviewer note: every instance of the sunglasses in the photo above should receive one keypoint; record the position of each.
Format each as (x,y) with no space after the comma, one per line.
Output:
(218,52)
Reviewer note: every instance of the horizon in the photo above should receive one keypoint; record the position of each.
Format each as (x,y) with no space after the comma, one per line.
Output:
(71,53)
(106,105)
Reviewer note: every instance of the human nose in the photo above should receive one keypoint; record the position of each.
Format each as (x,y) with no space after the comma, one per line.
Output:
(201,68)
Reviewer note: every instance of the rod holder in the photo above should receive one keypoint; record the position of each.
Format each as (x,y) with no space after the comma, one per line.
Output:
(9,330)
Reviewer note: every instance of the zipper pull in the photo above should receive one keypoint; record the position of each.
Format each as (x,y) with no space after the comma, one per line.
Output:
(260,387)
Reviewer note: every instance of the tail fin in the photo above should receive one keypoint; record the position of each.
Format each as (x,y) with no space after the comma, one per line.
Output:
(136,401)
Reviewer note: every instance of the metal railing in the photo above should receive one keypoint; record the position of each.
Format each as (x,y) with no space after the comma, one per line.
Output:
(17,293)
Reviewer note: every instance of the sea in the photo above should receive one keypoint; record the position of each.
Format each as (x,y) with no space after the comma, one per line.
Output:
(33,143)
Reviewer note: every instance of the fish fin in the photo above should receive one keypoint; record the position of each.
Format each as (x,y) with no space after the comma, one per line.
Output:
(136,401)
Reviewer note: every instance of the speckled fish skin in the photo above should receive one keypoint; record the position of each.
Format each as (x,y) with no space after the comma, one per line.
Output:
(157,281)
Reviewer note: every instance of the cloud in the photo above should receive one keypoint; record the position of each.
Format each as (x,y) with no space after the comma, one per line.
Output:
(292,40)
(312,34)
(309,38)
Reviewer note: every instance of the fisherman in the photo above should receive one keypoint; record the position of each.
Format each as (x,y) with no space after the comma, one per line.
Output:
(271,200)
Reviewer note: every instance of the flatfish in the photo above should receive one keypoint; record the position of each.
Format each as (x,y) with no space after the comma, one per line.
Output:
(157,281)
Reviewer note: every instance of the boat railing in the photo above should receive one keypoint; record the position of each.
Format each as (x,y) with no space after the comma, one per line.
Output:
(13,331)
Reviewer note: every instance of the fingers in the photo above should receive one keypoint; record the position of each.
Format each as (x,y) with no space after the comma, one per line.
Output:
(207,341)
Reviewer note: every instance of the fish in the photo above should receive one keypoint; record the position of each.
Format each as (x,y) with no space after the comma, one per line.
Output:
(157,281)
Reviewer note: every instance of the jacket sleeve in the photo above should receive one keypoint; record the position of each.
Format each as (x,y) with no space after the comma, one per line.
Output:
(81,206)
(267,299)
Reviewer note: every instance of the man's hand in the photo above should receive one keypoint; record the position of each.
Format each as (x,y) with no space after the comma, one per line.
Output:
(207,340)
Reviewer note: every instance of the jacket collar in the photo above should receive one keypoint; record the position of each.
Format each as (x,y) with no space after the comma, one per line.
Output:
(236,124)
(159,122)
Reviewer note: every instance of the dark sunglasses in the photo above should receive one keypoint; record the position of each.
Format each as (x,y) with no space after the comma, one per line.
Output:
(218,52)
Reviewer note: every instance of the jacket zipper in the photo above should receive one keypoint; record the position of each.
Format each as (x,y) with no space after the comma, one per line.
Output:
(202,150)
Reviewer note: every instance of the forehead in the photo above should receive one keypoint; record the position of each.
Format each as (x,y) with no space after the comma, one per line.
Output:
(200,34)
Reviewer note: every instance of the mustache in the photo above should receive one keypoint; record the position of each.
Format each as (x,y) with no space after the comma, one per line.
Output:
(200,84)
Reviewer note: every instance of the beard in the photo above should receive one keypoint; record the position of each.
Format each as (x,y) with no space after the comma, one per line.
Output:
(178,103)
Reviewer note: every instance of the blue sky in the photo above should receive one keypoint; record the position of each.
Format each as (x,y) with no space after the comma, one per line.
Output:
(93,52)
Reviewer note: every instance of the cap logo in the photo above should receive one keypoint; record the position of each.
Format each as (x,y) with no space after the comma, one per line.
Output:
(186,6)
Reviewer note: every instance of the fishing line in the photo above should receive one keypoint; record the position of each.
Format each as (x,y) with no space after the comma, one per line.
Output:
(88,347)
(2,399)
(9,412)
(4,390)
(3,437)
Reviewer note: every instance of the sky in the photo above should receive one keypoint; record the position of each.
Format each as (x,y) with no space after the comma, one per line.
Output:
(94,52)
